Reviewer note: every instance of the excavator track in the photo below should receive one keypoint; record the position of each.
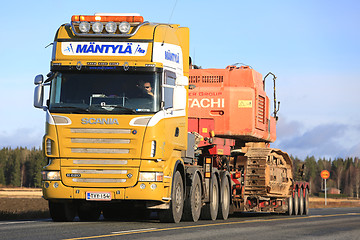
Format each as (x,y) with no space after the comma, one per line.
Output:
(268,173)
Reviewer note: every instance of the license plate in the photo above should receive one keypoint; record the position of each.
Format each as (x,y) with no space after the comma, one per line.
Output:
(98,196)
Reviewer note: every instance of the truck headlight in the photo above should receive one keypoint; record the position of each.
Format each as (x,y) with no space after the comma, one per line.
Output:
(151,176)
(97,27)
(50,175)
(84,27)
(124,27)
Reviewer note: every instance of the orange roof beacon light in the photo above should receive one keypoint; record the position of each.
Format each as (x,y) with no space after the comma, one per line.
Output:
(103,24)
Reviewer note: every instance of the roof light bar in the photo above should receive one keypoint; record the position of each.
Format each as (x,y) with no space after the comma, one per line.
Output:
(97,18)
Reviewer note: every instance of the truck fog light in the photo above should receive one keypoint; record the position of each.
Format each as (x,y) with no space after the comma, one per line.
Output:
(142,186)
(153,186)
(56,185)
(97,27)
(84,27)
(124,27)
(110,27)
(46,185)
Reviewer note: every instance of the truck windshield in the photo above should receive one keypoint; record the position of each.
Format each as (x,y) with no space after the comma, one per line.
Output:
(122,93)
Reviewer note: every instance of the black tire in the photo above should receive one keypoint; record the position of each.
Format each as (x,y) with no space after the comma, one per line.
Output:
(62,212)
(174,213)
(301,202)
(193,203)
(88,213)
(306,202)
(296,202)
(210,210)
(224,207)
(290,206)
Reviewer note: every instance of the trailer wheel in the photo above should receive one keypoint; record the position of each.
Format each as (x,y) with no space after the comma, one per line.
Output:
(174,213)
(210,210)
(296,202)
(301,202)
(224,207)
(306,202)
(88,213)
(290,206)
(193,204)
(62,212)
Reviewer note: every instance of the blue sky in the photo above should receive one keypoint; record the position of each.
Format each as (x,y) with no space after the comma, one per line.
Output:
(312,46)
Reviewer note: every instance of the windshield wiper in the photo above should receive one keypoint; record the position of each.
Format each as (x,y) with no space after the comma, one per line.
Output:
(79,109)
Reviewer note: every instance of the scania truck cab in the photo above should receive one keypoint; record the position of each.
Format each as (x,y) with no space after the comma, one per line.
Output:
(116,117)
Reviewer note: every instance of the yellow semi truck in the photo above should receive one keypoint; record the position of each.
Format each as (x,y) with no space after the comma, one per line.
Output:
(120,139)
(116,121)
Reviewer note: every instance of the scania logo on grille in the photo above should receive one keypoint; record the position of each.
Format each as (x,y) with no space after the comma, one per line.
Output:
(73,175)
(102,121)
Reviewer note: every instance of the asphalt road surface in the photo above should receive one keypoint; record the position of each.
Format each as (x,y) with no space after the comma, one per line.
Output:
(330,223)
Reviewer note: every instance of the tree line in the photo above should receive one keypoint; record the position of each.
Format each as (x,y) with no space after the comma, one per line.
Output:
(21,167)
(344,174)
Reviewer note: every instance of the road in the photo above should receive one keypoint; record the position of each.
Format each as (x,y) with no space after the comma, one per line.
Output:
(330,223)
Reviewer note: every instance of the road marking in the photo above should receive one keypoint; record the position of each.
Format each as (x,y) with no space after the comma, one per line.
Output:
(17,222)
(209,225)
(136,230)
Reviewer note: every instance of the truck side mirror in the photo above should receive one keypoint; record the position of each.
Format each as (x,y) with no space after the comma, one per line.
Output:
(39,91)
(39,79)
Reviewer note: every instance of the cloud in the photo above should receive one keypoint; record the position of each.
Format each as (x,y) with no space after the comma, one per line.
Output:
(22,137)
(326,140)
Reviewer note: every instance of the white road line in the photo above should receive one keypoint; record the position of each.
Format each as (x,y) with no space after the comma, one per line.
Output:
(135,230)
(18,222)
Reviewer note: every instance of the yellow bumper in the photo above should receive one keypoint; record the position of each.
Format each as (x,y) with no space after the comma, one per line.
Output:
(154,191)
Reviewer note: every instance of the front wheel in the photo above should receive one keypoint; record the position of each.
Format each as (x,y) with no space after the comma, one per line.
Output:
(62,211)
(174,213)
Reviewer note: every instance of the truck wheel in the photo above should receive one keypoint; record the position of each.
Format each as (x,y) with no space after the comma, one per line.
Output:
(210,210)
(306,202)
(296,203)
(290,206)
(88,213)
(174,213)
(301,202)
(224,207)
(193,204)
(62,212)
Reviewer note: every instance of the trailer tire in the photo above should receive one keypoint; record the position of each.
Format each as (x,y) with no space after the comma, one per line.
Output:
(290,206)
(306,202)
(62,211)
(210,210)
(224,207)
(88,213)
(296,202)
(301,203)
(174,213)
(193,203)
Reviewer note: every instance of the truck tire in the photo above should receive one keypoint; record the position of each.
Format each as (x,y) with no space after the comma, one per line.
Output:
(290,206)
(62,212)
(301,202)
(296,202)
(88,213)
(193,203)
(174,213)
(210,210)
(224,207)
(306,202)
